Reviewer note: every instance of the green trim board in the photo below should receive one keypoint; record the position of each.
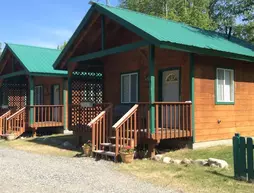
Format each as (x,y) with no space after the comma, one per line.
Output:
(47,74)
(31,102)
(138,85)
(192,94)
(18,73)
(215,86)
(160,72)
(205,51)
(152,87)
(65,88)
(102,32)
(110,51)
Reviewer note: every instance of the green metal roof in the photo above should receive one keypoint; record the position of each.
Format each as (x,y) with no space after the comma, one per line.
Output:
(36,59)
(169,34)
(169,31)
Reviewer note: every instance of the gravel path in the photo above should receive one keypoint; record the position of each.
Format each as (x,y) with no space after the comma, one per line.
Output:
(24,172)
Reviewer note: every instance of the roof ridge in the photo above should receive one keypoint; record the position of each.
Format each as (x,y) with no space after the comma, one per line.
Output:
(25,45)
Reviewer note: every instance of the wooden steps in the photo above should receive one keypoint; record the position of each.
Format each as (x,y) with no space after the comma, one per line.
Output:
(106,153)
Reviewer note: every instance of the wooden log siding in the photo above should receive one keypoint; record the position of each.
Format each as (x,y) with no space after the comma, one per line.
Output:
(3,122)
(16,123)
(101,128)
(47,115)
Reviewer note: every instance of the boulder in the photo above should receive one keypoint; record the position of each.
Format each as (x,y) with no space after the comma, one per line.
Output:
(176,161)
(201,162)
(158,157)
(218,162)
(166,160)
(186,161)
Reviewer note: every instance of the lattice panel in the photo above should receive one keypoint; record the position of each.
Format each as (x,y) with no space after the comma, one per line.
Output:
(86,86)
(14,94)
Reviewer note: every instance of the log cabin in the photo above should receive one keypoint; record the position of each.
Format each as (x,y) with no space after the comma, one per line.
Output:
(32,93)
(135,78)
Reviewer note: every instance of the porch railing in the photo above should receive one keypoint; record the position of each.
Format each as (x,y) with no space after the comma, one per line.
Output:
(101,128)
(16,123)
(46,115)
(80,116)
(3,122)
(126,130)
(172,120)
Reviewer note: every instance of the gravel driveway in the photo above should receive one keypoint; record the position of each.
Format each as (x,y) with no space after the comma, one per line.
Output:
(26,172)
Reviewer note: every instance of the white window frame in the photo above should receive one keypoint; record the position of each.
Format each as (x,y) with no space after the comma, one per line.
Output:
(233,86)
(137,82)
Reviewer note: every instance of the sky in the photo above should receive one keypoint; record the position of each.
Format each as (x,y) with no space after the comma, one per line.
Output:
(45,23)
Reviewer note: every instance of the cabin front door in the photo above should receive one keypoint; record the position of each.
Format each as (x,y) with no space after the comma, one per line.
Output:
(56,101)
(170,93)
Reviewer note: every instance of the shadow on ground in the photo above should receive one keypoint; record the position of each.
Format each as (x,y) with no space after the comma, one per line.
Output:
(66,142)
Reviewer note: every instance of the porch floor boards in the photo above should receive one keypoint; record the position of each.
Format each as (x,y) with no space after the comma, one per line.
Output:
(47,124)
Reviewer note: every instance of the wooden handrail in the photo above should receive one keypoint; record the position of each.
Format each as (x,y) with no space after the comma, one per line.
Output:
(5,114)
(15,114)
(101,128)
(125,117)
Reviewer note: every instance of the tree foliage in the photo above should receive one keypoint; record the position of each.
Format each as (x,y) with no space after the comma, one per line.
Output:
(0,48)
(61,47)
(205,14)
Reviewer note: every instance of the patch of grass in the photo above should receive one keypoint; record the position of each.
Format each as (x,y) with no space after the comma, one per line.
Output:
(51,145)
(191,178)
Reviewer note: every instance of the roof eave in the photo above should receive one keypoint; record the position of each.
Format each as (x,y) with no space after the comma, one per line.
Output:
(205,51)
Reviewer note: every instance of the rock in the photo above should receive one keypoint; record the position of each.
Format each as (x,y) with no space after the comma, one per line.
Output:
(201,162)
(186,161)
(67,144)
(166,160)
(214,166)
(158,157)
(218,162)
(176,161)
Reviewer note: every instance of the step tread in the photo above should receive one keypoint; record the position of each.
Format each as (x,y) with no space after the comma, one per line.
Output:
(108,153)
(109,144)
(125,138)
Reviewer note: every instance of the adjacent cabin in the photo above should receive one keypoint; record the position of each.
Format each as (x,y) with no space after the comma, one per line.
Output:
(32,93)
(135,78)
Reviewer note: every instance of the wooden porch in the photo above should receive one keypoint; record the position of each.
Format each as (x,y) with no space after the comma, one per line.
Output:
(31,117)
(173,121)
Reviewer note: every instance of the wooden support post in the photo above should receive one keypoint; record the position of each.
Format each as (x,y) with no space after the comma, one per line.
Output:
(31,102)
(152,87)
(151,148)
(65,103)
(102,32)
(34,132)
(69,98)
(192,91)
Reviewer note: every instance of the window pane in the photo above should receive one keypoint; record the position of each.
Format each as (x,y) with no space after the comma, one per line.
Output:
(134,85)
(220,83)
(227,87)
(125,88)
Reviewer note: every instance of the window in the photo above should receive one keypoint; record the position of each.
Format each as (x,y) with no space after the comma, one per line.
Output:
(38,95)
(129,88)
(225,86)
